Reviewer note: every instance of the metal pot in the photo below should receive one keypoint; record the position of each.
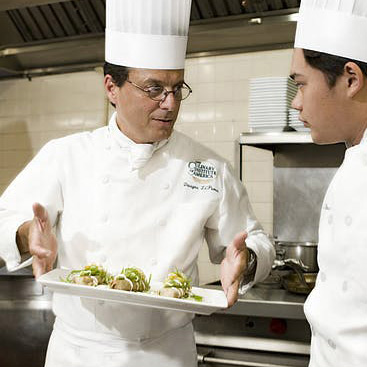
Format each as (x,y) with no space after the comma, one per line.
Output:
(305,252)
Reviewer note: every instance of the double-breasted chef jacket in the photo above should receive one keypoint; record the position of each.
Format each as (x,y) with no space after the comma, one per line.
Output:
(107,211)
(337,307)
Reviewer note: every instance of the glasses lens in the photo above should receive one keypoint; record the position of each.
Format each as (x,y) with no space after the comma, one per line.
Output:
(182,93)
(156,93)
(159,93)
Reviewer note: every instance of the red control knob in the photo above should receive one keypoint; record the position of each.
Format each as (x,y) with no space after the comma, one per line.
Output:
(278,326)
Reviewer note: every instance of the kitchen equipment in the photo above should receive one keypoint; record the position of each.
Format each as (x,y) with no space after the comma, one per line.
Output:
(292,282)
(265,328)
(305,252)
(26,318)
(296,265)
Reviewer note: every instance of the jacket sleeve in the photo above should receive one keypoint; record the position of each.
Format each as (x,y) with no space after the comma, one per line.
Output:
(37,182)
(234,214)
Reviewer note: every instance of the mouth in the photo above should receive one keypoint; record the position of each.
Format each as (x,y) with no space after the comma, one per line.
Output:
(165,121)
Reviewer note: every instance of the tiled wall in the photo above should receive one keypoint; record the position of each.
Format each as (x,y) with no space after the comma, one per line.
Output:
(33,112)
(216,114)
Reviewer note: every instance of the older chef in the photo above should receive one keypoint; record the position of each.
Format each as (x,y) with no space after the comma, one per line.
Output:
(330,68)
(133,193)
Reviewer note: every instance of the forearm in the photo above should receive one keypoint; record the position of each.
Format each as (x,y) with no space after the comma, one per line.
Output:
(22,237)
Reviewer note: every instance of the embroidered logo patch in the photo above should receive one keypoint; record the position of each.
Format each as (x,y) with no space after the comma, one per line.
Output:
(202,170)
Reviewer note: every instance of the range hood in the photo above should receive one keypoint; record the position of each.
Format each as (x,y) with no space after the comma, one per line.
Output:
(39,37)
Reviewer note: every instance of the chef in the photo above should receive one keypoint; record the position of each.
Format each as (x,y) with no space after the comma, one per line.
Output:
(133,193)
(330,68)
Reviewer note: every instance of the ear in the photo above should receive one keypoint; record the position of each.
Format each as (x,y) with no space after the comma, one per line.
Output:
(354,77)
(111,88)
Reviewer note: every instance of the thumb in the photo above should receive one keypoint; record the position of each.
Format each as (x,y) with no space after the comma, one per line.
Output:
(40,252)
(239,241)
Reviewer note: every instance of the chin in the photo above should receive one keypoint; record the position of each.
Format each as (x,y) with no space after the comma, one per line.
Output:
(323,140)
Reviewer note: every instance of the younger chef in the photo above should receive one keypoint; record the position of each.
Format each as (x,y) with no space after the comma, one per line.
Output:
(330,68)
(133,193)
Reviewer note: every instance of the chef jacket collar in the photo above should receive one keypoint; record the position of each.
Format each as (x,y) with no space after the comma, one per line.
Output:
(364,138)
(139,154)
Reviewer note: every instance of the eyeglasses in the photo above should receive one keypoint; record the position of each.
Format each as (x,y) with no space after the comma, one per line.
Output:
(158,93)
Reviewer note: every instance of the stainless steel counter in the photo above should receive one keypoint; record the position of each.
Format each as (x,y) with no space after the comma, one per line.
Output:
(268,303)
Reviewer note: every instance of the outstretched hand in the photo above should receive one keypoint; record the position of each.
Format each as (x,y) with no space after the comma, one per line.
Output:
(41,242)
(233,267)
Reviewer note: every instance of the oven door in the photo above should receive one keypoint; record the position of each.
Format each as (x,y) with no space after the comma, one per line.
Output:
(226,357)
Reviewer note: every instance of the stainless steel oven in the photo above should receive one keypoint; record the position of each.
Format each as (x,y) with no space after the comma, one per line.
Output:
(26,320)
(266,328)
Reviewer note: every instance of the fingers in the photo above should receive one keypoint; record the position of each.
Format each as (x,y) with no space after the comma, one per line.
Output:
(39,267)
(232,293)
(39,212)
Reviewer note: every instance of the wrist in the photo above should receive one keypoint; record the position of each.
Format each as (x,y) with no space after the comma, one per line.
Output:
(250,270)
(22,237)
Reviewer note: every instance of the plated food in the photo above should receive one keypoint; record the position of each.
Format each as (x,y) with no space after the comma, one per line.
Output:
(178,285)
(91,275)
(200,300)
(133,279)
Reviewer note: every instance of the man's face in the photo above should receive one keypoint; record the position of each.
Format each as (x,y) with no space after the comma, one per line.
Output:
(321,108)
(140,118)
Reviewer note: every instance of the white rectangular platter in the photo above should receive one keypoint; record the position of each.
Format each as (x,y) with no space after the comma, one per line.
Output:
(213,300)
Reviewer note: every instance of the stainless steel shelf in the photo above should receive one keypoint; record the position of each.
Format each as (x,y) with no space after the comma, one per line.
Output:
(293,137)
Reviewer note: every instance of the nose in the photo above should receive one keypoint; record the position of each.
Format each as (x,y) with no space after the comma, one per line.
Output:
(169,102)
(297,101)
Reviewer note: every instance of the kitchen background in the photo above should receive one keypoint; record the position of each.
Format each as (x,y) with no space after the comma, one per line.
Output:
(48,107)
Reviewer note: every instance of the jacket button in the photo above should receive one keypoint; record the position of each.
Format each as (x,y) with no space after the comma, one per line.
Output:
(166,186)
(348,220)
(104,218)
(331,344)
(162,222)
(105,179)
(153,261)
(345,286)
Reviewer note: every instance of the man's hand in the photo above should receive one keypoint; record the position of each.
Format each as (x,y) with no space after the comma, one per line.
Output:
(36,236)
(233,267)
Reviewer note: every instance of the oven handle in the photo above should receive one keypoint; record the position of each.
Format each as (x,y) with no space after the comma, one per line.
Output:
(208,359)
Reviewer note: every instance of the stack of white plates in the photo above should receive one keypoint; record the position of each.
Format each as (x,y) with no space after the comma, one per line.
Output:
(294,122)
(270,99)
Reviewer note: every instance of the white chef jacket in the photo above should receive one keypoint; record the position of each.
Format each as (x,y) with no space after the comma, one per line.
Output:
(107,211)
(337,307)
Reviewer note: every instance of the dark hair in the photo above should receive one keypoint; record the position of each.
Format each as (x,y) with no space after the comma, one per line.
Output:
(118,73)
(330,65)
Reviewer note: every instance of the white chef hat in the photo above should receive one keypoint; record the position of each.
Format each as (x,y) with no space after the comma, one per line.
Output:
(336,27)
(149,34)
